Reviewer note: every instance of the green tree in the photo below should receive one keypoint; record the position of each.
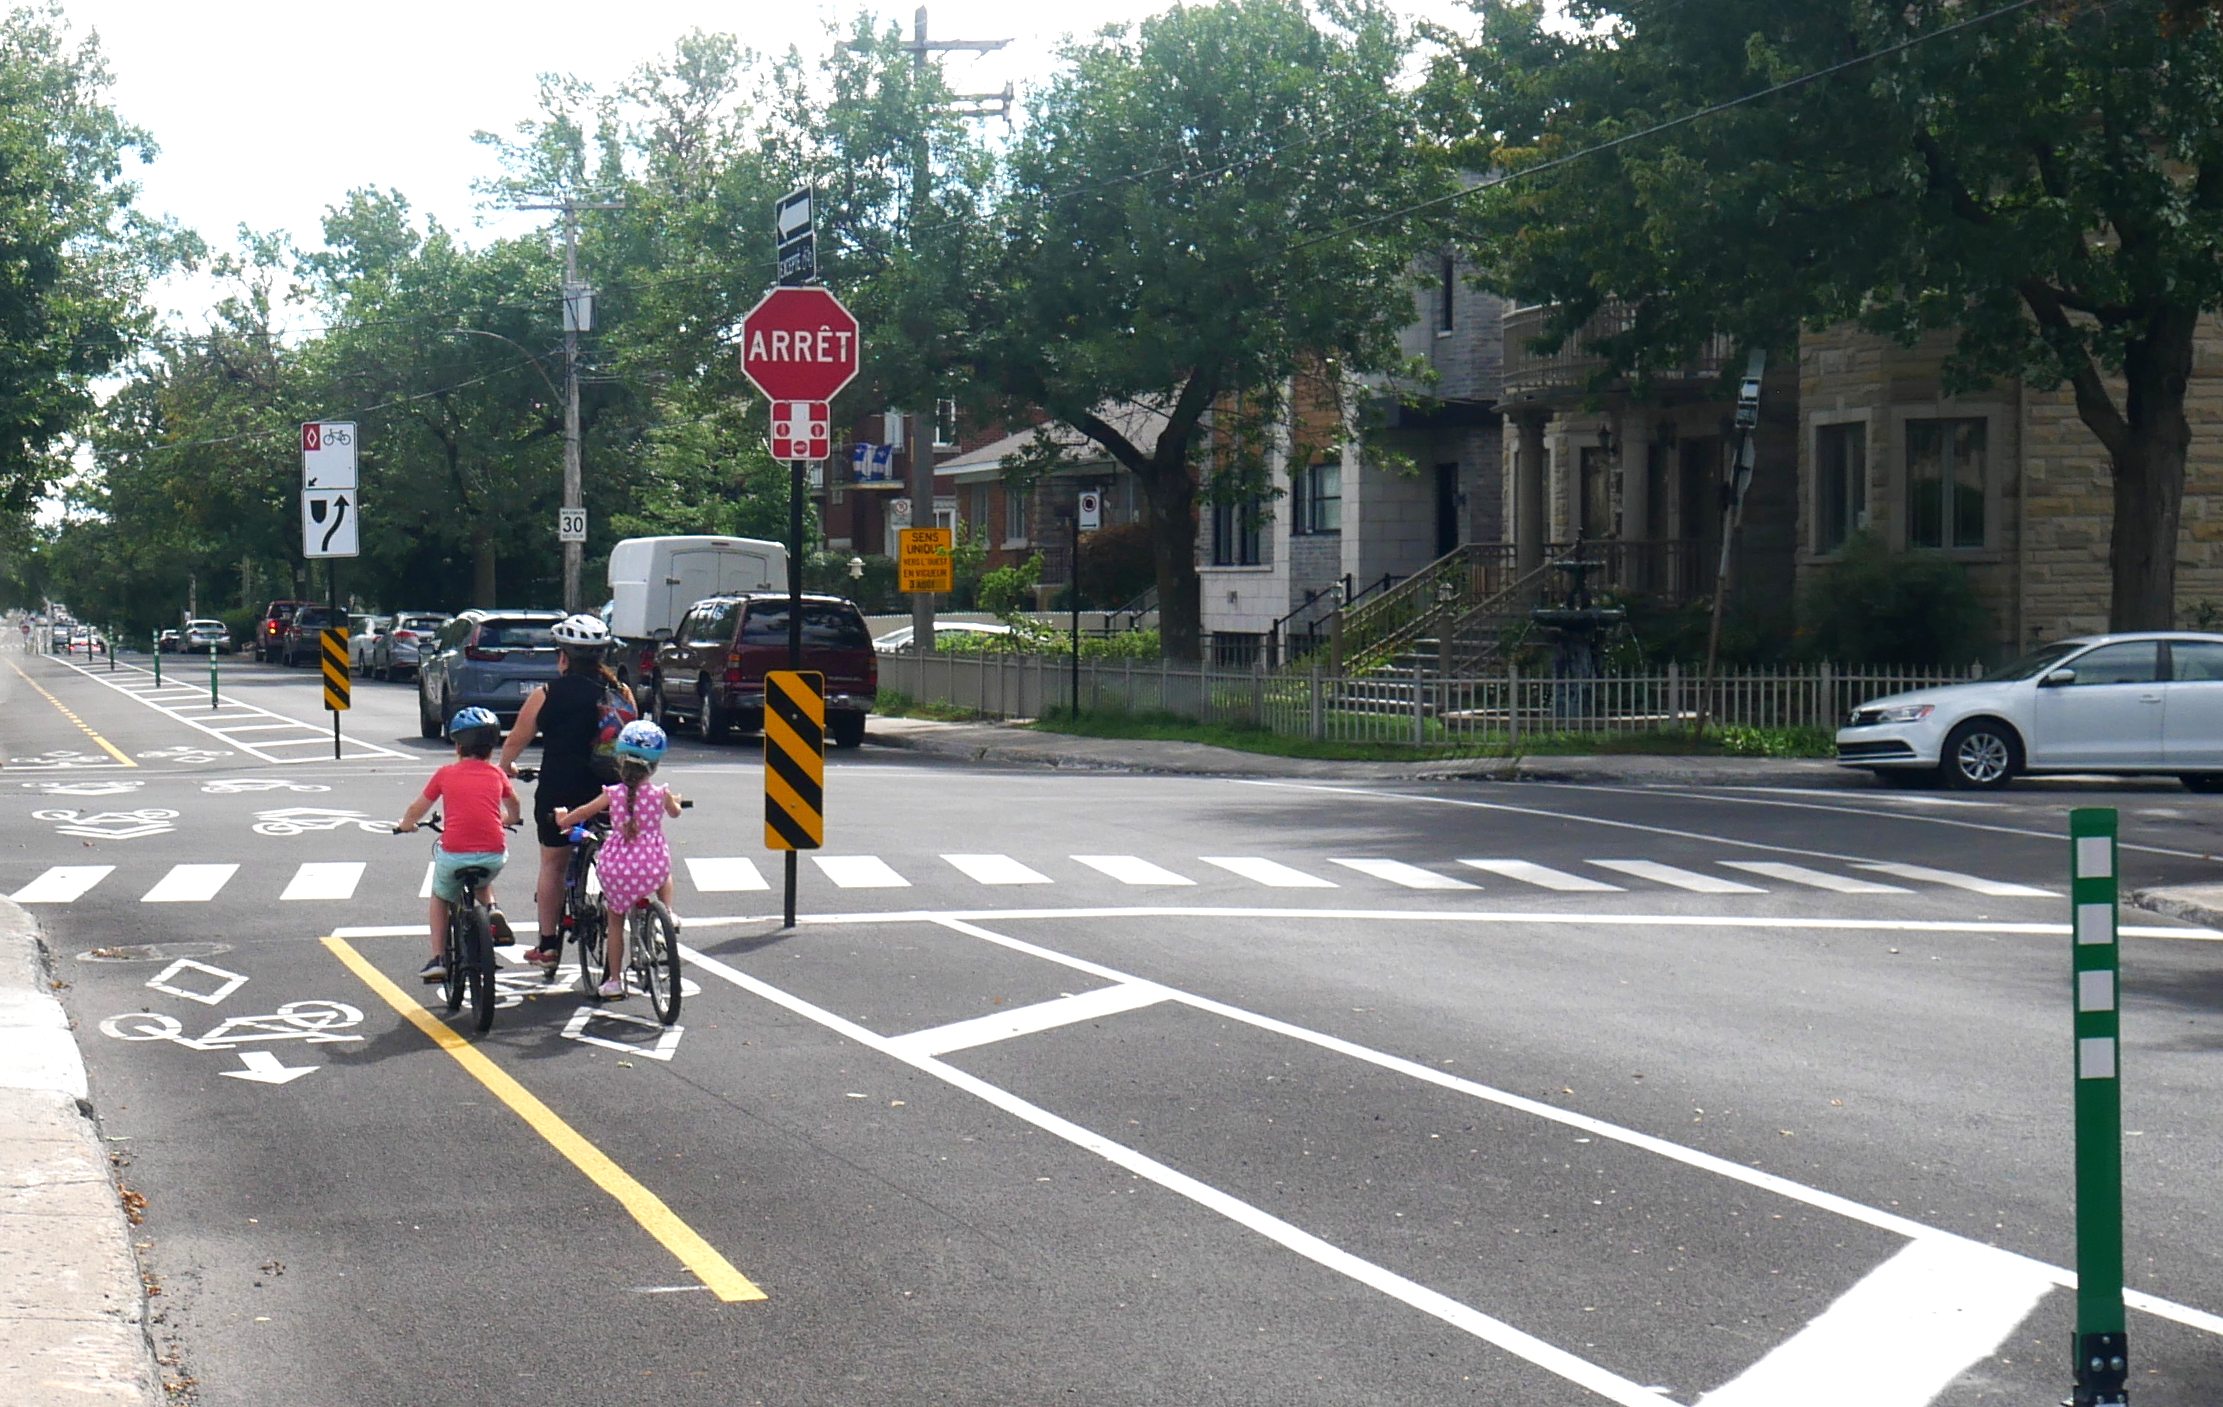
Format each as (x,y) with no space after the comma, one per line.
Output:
(2047,183)
(1179,244)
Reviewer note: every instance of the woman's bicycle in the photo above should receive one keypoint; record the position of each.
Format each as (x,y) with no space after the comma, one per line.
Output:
(470,946)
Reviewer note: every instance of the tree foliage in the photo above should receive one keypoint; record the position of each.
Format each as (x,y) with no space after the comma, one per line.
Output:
(2046,183)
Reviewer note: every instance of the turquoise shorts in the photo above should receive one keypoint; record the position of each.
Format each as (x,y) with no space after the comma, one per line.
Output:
(447,863)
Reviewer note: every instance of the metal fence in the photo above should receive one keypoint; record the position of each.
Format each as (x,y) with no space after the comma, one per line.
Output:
(1489,711)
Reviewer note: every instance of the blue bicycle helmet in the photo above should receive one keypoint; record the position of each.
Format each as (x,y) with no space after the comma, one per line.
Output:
(642,741)
(469,719)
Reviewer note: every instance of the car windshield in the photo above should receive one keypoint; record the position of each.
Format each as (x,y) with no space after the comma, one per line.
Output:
(517,635)
(2035,663)
(204,625)
(826,624)
(420,623)
(312,618)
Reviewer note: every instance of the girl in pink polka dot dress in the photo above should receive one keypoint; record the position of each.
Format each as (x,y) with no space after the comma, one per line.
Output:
(634,861)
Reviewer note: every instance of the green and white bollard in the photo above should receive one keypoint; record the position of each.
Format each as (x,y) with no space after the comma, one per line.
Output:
(213,705)
(2102,1345)
(155,649)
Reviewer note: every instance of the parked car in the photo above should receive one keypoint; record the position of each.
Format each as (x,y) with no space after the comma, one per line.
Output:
(898,640)
(167,642)
(58,635)
(201,634)
(270,637)
(84,638)
(363,632)
(712,669)
(400,647)
(2145,703)
(653,580)
(492,659)
(303,641)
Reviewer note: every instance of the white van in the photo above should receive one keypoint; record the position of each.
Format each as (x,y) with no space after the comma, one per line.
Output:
(653,580)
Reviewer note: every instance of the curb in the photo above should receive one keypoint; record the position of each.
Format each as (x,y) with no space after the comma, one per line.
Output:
(73,1309)
(2194,903)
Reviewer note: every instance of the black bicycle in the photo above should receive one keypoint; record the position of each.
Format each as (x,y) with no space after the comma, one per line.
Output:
(470,945)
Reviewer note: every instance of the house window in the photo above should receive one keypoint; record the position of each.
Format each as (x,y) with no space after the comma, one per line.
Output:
(1450,286)
(1316,500)
(1945,482)
(1840,483)
(976,514)
(945,424)
(1235,534)
(1018,514)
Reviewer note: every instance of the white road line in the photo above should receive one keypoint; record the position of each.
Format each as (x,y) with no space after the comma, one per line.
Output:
(1271,873)
(725,875)
(64,884)
(1544,876)
(1677,878)
(1553,1359)
(1818,879)
(1132,869)
(325,879)
(1027,1020)
(1674,1152)
(424,891)
(189,884)
(1956,880)
(1940,1305)
(859,872)
(356,748)
(1398,872)
(996,869)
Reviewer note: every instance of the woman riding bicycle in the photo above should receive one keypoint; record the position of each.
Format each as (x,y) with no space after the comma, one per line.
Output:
(568,717)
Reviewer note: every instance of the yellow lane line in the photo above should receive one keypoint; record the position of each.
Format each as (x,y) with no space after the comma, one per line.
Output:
(106,745)
(658,1220)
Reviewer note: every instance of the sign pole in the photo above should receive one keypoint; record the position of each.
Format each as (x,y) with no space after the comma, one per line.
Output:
(794,627)
(1075,701)
(332,585)
(2102,1347)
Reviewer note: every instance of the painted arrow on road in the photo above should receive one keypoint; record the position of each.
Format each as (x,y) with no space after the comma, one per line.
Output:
(263,1068)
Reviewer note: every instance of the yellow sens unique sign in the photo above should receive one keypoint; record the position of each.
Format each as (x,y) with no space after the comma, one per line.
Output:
(335,670)
(923,561)
(794,759)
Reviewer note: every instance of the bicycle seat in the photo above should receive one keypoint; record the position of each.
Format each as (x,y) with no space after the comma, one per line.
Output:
(475,876)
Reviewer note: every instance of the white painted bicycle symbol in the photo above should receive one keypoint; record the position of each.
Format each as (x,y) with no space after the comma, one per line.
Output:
(111,825)
(300,820)
(110,788)
(315,1021)
(235,786)
(190,756)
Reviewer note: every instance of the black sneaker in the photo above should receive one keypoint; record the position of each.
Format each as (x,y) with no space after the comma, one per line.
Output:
(433,971)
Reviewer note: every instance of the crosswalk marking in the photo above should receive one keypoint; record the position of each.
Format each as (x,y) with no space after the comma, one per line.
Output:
(1675,877)
(1271,873)
(64,884)
(1410,876)
(1544,876)
(725,876)
(1132,869)
(326,879)
(996,869)
(189,884)
(1799,874)
(859,872)
(1952,879)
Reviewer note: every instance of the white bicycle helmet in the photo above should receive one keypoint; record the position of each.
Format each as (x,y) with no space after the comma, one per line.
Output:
(581,633)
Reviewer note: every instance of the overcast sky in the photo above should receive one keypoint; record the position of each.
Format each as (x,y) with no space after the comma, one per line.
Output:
(268,112)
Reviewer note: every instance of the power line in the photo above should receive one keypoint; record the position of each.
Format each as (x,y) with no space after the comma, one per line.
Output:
(289,428)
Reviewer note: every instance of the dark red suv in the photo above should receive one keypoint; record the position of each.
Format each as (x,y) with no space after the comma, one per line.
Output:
(712,669)
(270,636)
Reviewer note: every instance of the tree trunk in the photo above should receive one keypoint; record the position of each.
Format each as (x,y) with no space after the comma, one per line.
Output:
(2148,467)
(482,567)
(1172,498)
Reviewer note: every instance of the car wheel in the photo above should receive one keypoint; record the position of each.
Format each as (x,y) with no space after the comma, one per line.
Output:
(846,729)
(2202,782)
(659,709)
(427,725)
(1980,755)
(712,722)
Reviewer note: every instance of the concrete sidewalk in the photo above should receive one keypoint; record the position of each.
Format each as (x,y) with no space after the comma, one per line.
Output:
(72,1306)
(1019,746)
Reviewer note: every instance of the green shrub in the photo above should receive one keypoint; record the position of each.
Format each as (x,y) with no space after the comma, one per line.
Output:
(1876,606)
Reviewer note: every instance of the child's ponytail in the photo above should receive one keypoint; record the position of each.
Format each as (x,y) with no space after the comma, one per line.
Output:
(632,772)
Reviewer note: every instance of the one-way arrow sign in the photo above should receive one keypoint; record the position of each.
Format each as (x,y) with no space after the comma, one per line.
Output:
(264,1069)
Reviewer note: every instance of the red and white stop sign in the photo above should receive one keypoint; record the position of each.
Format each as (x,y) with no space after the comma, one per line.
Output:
(799,344)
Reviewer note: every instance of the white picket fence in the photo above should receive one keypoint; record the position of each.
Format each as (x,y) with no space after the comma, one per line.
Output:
(1490,710)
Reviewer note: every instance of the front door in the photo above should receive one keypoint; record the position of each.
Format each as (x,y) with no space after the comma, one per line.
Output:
(2110,716)
(2192,716)
(1447,509)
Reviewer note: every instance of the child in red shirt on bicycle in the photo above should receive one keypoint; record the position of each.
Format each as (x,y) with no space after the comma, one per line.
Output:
(480,801)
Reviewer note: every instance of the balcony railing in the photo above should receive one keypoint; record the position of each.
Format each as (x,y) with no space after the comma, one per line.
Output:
(1573,366)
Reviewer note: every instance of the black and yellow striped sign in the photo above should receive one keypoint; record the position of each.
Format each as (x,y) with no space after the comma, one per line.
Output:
(794,759)
(335,670)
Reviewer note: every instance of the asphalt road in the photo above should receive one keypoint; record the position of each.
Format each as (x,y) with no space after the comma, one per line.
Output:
(1119,1089)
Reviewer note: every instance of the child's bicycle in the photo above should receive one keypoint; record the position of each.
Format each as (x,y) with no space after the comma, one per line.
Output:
(652,934)
(470,946)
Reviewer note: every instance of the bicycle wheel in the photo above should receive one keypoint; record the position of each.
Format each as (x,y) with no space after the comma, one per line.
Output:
(479,967)
(453,985)
(590,925)
(652,949)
